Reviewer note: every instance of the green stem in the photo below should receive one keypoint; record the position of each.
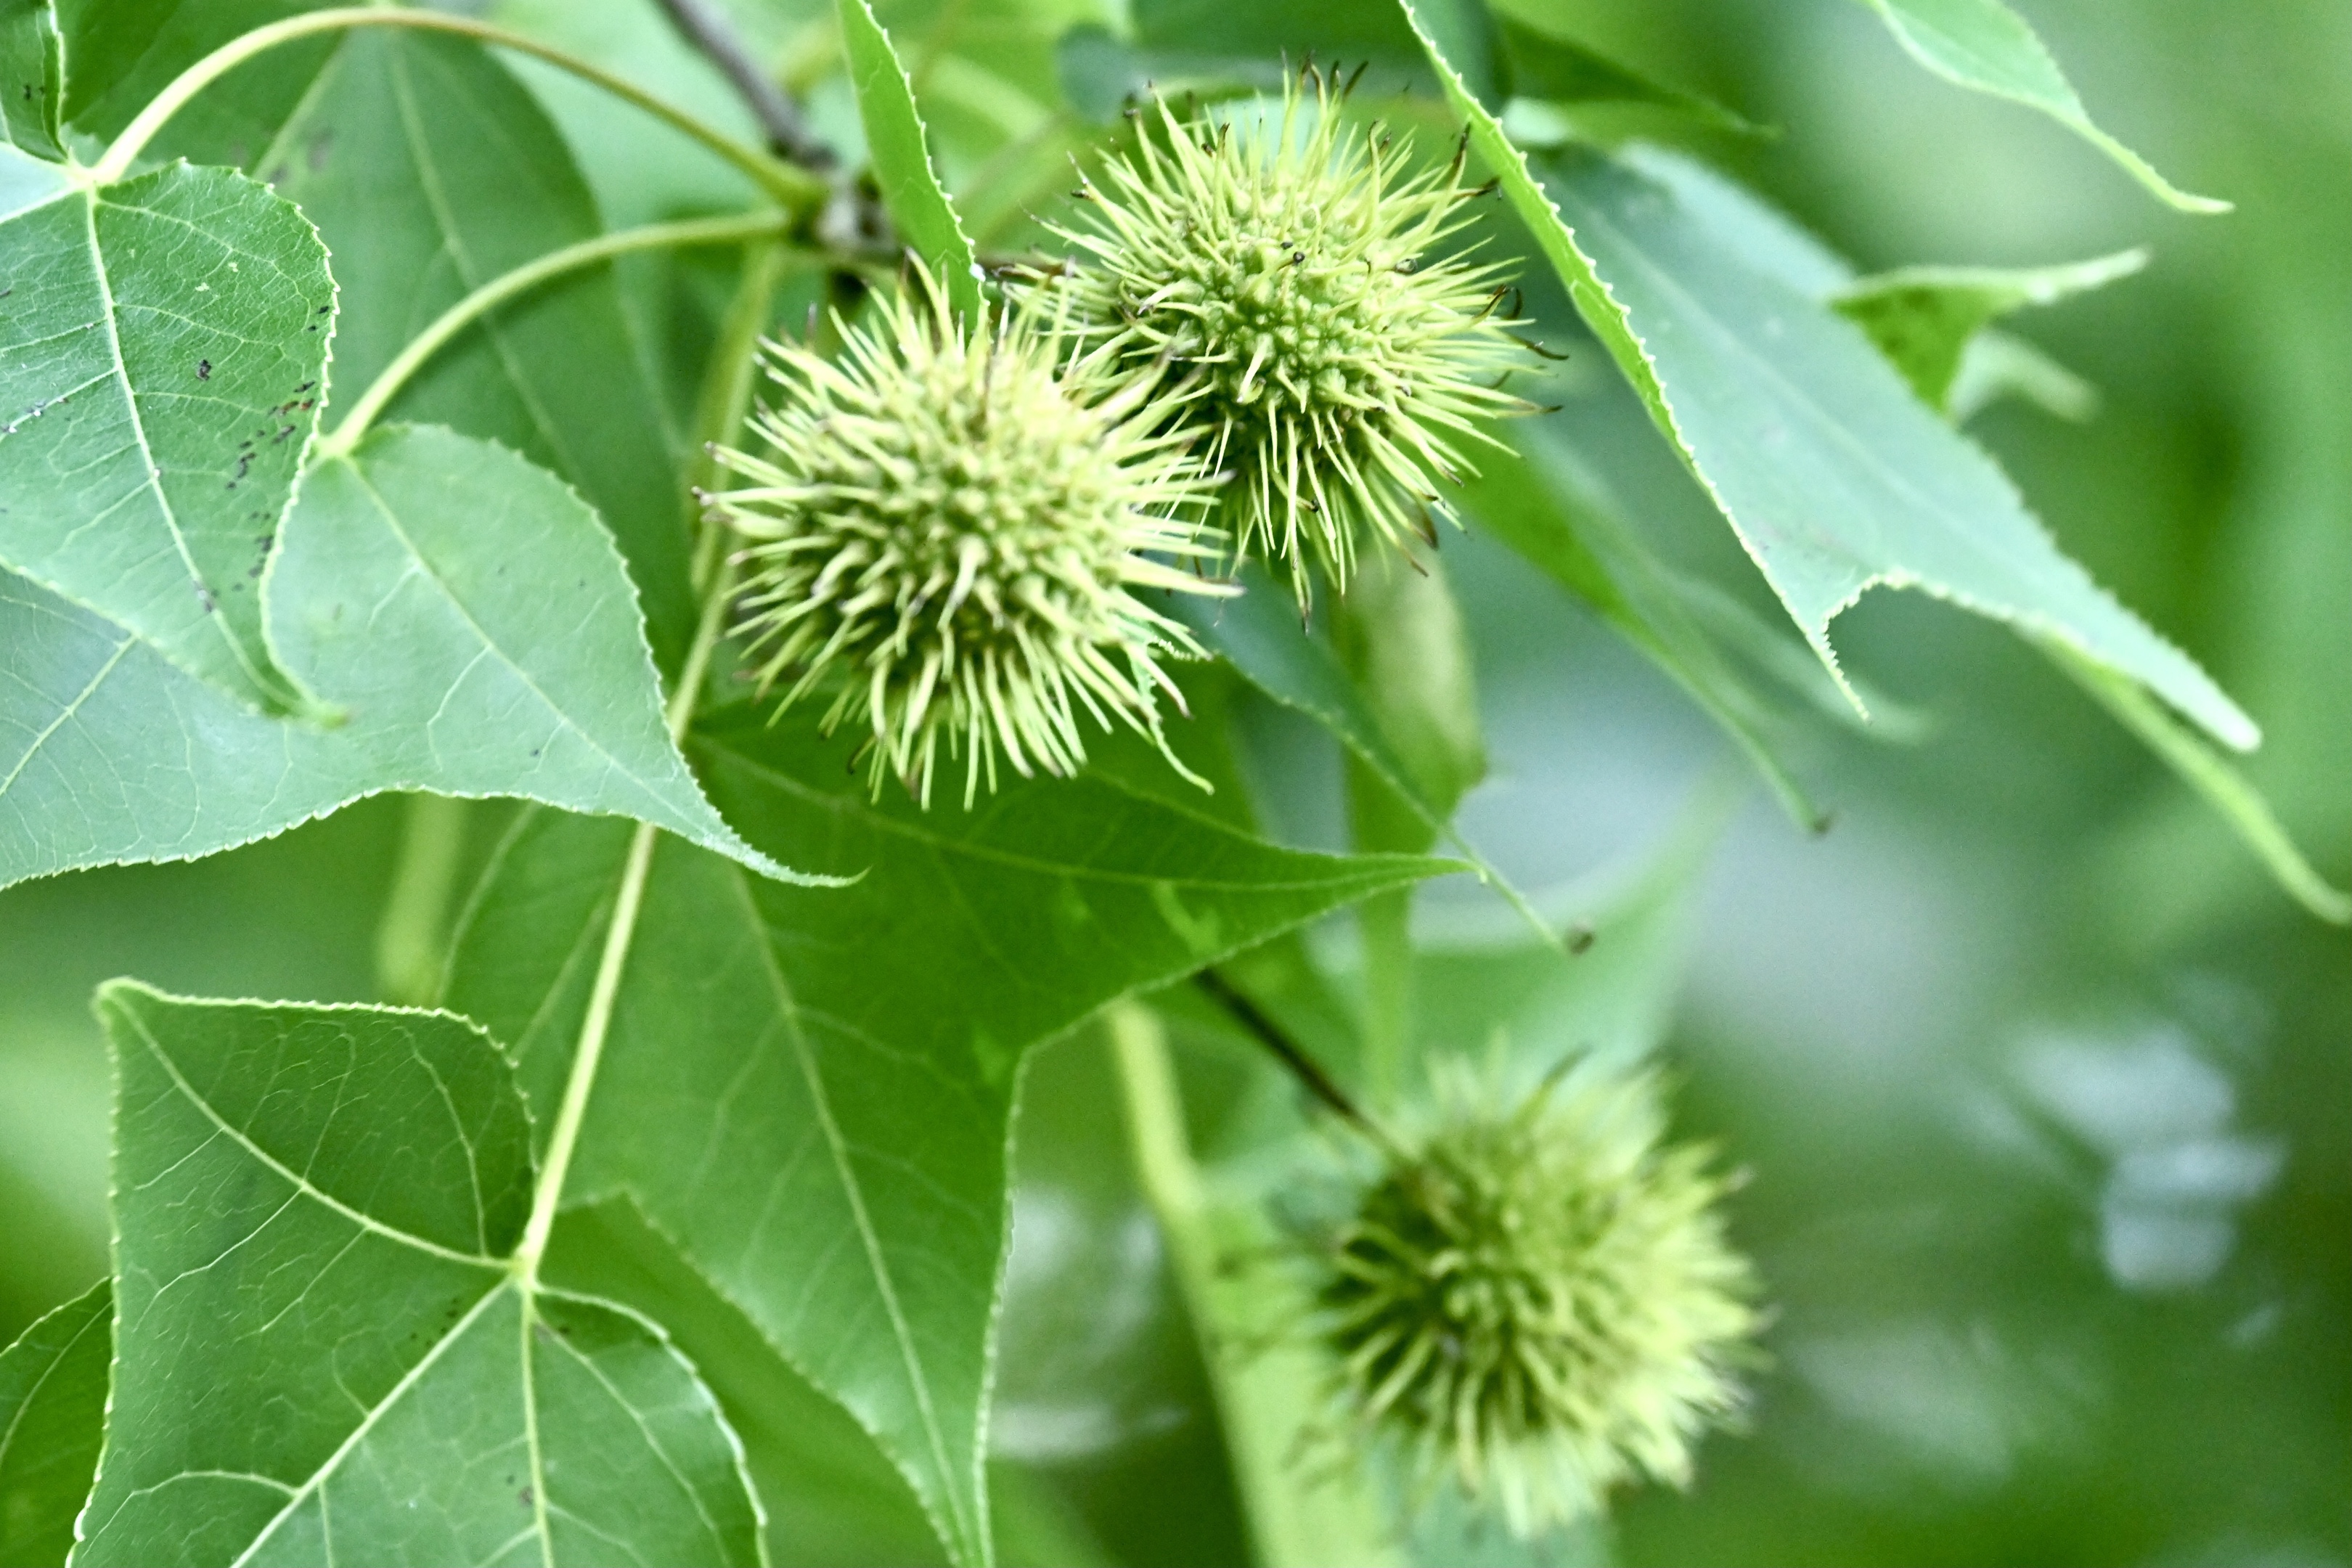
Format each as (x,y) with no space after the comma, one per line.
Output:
(726,396)
(597,1026)
(595,1030)
(1269,1398)
(499,289)
(792,187)
(752,304)
(409,944)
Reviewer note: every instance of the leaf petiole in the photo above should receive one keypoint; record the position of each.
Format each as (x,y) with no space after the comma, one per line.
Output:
(725,399)
(499,289)
(792,187)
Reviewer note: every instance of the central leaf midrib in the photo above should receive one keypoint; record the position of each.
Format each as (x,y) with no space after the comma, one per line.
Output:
(152,479)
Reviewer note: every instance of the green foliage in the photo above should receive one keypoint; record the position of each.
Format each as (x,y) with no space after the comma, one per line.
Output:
(171,333)
(370,388)
(1925,319)
(902,160)
(381,148)
(32,70)
(1984,45)
(1835,481)
(414,588)
(53,1386)
(375,1168)
(884,1023)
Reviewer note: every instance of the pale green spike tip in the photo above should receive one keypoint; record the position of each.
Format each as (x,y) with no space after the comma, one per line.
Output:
(1540,1301)
(1283,268)
(943,532)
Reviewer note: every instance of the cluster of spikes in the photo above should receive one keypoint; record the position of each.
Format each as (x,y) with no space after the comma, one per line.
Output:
(1260,355)
(1540,1302)
(1284,264)
(946,532)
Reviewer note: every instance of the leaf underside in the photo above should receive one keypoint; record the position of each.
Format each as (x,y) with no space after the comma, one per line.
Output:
(417,588)
(916,202)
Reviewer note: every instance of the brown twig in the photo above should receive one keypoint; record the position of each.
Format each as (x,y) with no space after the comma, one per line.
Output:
(779,117)
(1292,1056)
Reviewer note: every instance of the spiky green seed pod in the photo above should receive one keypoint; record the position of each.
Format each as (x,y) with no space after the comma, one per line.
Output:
(1541,1300)
(945,530)
(1288,262)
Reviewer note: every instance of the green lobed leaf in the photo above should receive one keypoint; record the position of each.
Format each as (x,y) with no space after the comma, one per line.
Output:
(314,1212)
(53,1385)
(124,52)
(1923,319)
(1994,362)
(850,1061)
(32,77)
(389,150)
(417,585)
(380,134)
(1984,46)
(161,357)
(916,202)
(829,1494)
(1834,478)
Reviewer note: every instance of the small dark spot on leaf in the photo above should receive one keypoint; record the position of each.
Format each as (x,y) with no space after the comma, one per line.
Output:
(203,369)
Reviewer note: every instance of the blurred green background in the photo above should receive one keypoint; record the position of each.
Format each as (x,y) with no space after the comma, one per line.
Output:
(2045,1090)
